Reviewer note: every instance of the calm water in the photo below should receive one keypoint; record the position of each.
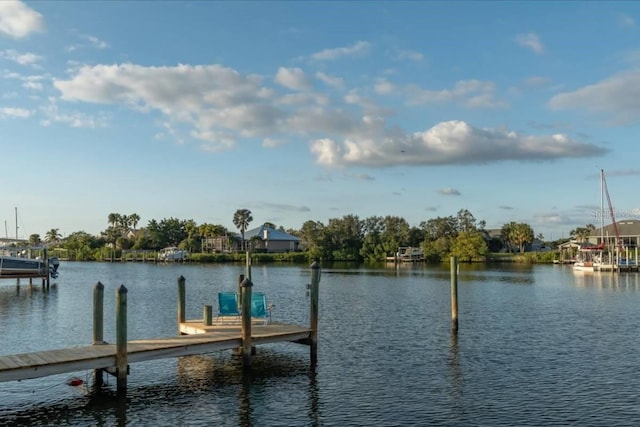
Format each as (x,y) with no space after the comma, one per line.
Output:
(537,346)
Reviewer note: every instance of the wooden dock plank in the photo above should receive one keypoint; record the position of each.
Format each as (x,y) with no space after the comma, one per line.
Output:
(201,339)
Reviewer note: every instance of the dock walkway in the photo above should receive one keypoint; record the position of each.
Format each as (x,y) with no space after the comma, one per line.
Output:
(201,339)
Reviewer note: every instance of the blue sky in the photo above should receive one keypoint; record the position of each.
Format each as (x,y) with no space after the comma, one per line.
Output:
(315,110)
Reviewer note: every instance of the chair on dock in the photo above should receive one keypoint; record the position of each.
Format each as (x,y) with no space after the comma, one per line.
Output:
(228,307)
(259,308)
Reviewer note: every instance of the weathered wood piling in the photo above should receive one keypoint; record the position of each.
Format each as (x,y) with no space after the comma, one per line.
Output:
(313,311)
(454,294)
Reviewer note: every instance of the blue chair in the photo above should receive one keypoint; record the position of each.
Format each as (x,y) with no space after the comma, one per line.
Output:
(228,307)
(259,308)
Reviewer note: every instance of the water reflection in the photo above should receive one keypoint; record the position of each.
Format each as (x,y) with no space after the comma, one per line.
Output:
(454,365)
(314,405)
(607,280)
(245,417)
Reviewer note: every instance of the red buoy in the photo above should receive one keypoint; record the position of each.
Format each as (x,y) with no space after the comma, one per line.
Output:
(74,381)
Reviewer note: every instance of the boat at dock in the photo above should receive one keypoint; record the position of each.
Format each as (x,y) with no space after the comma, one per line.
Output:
(17,266)
(172,254)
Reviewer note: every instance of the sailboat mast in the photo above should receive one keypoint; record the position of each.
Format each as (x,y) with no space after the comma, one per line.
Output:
(602,206)
(16,223)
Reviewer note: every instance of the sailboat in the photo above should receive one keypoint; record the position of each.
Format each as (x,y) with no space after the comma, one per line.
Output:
(591,257)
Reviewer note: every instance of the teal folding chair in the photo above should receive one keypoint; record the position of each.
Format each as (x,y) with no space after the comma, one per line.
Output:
(228,307)
(259,308)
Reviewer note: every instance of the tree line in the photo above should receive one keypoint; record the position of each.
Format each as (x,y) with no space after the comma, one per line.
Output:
(346,239)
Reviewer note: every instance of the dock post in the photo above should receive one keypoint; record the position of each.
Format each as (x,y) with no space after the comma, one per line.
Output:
(181,302)
(121,339)
(98,328)
(249,265)
(46,280)
(240,280)
(98,314)
(246,323)
(454,294)
(207,315)
(313,309)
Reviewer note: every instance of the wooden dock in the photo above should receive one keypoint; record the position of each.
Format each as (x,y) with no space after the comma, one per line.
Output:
(202,339)
(194,337)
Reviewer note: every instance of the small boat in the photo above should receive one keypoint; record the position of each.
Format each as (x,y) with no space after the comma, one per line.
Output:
(172,253)
(15,266)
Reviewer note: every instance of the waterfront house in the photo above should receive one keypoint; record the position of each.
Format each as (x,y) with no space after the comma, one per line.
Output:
(628,230)
(271,240)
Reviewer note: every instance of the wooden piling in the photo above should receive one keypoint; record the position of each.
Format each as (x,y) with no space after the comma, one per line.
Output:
(313,309)
(181,302)
(98,314)
(246,323)
(47,279)
(98,328)
(240,280)
(454,293)
(121,339)
(207,315)
(248,272)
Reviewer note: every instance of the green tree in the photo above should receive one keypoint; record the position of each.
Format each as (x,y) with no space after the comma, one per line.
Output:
(344,238)
(134,219)
(35,240)
(53,236)
(372,248)
(521,235)
(470,246)
(241,219)
(313,237)
(582,233)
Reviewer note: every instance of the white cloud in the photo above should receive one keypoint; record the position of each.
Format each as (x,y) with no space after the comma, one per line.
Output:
(17,20)
(453,142)
(20,58)
(17,113)
(530,41)
(617,96)
(293,78)
(74,119)
(285,207)
(96,42)
(272,143)
(552,218)
(449,192)
(32,85)
(537,81)
(33,82)
(384,87)
(468,93)
(357,49)
(219,106)
(88,41)
(409,55)
(336,82)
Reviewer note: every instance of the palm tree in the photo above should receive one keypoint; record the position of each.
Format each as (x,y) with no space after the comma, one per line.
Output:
(134,218)
(241,219)
(53,235)
(114,219)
